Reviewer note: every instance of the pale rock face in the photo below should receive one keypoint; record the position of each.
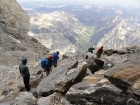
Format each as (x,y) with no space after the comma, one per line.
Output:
(13,19)
(14,41)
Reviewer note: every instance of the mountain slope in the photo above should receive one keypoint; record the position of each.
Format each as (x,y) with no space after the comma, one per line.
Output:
(84,26)
(60,31)
(14,41)
(121,33)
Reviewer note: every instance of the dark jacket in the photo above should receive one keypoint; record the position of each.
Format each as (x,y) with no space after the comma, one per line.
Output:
(91,49)
(24,71)
(54,57)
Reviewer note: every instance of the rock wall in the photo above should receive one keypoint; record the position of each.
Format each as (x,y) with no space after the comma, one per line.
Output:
(13,19)
(14,41)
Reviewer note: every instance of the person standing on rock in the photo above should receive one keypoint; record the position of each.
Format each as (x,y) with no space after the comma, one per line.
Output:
(46,64)
(55,57)
(99,52)
(24,71)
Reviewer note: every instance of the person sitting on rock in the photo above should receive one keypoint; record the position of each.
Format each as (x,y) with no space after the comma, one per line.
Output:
(24,71)
(46,64)
(99,52)
(55,58)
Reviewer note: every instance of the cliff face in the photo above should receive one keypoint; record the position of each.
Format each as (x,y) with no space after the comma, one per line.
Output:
(14,41)
(13,19)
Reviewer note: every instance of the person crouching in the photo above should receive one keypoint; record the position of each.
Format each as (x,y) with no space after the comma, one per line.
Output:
(46,64)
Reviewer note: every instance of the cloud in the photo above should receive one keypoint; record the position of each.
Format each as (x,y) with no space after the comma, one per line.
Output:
(130,3)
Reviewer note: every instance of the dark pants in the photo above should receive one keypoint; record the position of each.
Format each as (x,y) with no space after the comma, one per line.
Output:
(55,64)
(98,55)
(26,81)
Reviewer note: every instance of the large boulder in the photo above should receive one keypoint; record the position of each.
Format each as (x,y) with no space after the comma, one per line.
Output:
(62,78)
(95,89)
(94,64)
(126,76)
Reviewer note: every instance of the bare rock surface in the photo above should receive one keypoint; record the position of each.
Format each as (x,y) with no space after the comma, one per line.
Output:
(115,77)
(62,78)
(95,89)
(14,41)
(54,99)
(126,74)
(70,83)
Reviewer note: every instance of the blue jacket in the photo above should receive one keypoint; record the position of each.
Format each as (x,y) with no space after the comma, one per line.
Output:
(54,57)
(46,64)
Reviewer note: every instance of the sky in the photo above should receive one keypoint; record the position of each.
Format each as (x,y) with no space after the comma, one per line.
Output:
(127,3)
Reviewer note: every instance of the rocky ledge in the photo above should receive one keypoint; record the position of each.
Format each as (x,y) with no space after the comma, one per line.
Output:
(80,81)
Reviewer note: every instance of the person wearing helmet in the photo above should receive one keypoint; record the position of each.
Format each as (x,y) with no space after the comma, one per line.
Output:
(99,52)
(46,64)
(24,72)
(55,58)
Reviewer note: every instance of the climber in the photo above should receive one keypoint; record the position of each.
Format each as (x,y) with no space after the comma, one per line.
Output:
(24,72)
(55,58)
(46,64)
(91,49)
(99,52)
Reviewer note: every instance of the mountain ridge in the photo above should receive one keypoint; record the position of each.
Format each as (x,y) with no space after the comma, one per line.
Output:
(98,22)
(79,78)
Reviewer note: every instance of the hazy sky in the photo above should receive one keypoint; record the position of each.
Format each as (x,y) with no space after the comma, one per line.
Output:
(130,3)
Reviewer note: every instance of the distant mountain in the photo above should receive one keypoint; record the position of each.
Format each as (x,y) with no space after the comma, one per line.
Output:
(118,33)
(84,26)
(113,79)
(60,31)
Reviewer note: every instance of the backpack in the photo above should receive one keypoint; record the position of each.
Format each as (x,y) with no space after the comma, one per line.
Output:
(43,63)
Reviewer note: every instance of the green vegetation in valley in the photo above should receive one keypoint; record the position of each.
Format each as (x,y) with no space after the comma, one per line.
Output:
(84,37)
